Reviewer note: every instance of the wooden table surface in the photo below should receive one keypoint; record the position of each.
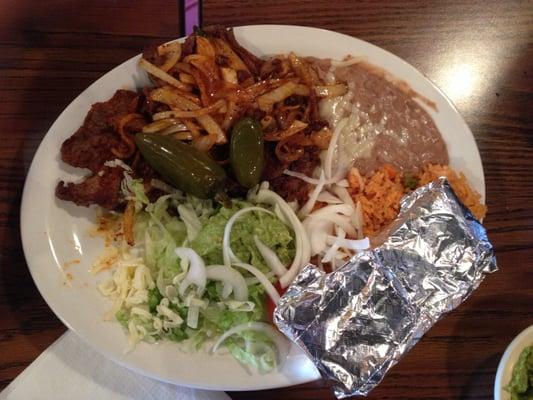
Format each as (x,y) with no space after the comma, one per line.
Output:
(478,52)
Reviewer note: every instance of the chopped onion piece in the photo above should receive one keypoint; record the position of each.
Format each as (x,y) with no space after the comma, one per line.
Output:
(343,194)
(269,287)
(194,113)
(271,258)
(192,317)
(312,181)
(327,197)
(330,254)
(328,162)
(301,176)
(303,246)
(343,183)
(229,277)
(340,217)
(343,209)
(346,198)
(310,204)
(341,221)
(267,100)
(350,244)
(159,73)
(226,290)
(322,222)
(317,229)
(227,254)
(178,101)
(254,281)
(196,273)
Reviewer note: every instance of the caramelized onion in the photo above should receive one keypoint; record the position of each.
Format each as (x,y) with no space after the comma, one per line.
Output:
(287,153)
(127,139)
(296,127)
(173,53)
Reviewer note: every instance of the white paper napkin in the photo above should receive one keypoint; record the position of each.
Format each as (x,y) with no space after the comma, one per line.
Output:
(70,370)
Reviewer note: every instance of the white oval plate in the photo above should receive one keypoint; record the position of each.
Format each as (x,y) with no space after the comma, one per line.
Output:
(509,359)
(56,232)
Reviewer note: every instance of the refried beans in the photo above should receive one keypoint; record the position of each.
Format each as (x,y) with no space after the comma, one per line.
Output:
(386,125)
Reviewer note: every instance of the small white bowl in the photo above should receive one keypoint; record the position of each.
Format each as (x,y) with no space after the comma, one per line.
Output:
(510,357)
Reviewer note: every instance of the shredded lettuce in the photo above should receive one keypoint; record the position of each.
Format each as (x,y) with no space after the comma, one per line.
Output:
(122,316)
(177,335)
(147,289)
(253,349)
(221,318)
(154,298)
(133,189)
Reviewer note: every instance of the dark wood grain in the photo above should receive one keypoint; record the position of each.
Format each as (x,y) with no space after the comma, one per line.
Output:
(50,51)
(479,52)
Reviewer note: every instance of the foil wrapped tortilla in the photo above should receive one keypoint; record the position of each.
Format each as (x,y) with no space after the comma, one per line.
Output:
(356,322)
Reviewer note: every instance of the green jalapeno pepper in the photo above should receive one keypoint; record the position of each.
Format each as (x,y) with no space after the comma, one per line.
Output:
(182,165)
(247,151)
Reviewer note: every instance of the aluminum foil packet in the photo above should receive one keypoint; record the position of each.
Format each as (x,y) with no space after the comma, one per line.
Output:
(355,323)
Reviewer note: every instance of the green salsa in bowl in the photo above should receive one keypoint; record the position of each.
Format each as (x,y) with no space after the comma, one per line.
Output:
(514,379)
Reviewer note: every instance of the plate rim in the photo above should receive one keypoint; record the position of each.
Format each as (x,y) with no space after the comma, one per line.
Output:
(26,203)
